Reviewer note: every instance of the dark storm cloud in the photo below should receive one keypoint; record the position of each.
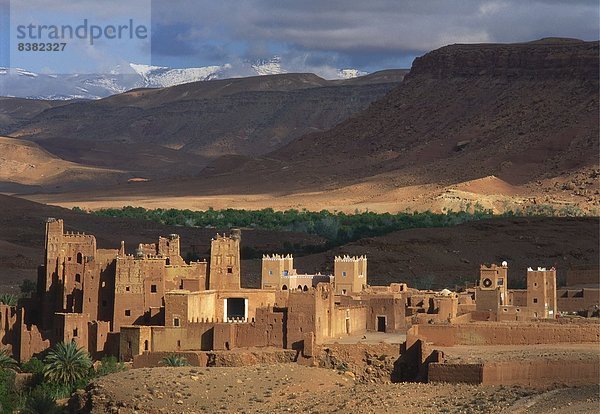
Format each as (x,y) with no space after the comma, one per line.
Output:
(170,40)
(368,31)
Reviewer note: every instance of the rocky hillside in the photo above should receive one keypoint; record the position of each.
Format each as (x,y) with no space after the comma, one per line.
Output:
(523,117)
(520,112)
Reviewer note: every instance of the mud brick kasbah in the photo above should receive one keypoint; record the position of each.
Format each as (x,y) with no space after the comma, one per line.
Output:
(129,305)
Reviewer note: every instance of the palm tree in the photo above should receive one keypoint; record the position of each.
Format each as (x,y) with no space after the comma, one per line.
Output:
(174,360)
(66,363)
(8,299)
(6,360)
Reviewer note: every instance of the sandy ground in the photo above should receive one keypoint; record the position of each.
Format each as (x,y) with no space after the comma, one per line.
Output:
(502,353)
(376,194)
(291,388)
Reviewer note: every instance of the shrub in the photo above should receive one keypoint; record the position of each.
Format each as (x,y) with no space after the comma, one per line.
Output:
(7,391)
(8,299)
(27,287)
(40,401)
(174,360)
(109,365)
(6,360)
(36,367)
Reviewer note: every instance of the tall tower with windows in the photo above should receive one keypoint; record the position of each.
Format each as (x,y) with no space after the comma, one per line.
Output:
(275,269)
(541,292)
(492,291)
(225,261)
(350,274)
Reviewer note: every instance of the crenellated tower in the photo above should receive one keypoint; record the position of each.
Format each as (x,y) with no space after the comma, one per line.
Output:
(350,274)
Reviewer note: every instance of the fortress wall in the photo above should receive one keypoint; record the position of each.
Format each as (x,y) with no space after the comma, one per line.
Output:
(541,373)
(506,333)
(455,373)
(349,320)
(153,359)
(577,300)
(535,373)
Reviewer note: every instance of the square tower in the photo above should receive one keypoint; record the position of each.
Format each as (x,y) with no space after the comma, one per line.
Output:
(350,274)
(541,292)
(275,270)
(225,262)
(169,247)
(492,291)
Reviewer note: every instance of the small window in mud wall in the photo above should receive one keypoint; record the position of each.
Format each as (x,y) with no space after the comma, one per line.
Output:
(175,321)
(229,269)
(127,288)
(79,258)
(534,300)
(78,278)
(146,345)
(75,332)
(152,288)
(344,274)
(127,312)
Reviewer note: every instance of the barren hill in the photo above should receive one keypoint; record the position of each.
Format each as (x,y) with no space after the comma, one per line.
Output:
(445,257)
(15,111)
(520,112)
(507,126)
(525,114)
(24,164)
(184,126)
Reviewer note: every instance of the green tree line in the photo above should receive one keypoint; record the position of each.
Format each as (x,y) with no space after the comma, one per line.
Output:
(336,227)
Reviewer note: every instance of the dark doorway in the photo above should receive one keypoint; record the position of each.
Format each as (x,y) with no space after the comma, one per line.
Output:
(381,323)
(236,308)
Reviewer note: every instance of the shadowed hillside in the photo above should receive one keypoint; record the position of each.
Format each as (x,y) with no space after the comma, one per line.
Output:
(427,257)
(518,116)
(182,127)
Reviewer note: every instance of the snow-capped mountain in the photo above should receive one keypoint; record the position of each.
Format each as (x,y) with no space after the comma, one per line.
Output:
(22,83)
(160,77)
(268,67)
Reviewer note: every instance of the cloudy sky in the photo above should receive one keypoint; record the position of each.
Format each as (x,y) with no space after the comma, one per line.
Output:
(315,35)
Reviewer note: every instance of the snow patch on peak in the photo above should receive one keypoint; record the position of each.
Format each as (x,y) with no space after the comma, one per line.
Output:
(350,73)
(269,67)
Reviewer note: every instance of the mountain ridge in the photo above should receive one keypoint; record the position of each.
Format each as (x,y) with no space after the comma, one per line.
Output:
(18,82)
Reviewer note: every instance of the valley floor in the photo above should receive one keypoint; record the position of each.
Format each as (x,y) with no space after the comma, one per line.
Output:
(293,388)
